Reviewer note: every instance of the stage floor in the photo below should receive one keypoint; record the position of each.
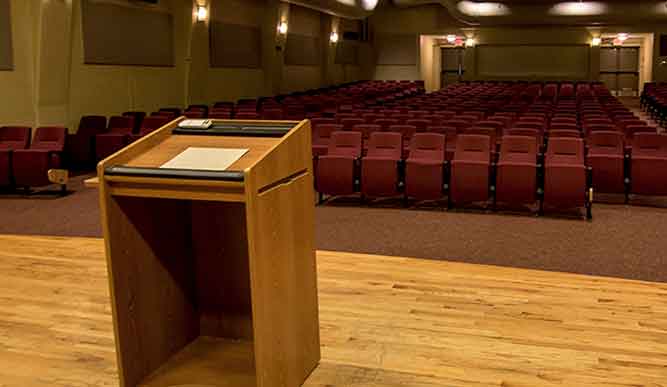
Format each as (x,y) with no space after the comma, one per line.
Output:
(385,321)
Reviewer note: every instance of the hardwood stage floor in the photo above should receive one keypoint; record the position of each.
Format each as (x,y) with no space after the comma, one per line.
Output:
(385,321)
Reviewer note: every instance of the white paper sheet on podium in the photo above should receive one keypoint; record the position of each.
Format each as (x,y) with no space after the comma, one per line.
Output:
(209,159)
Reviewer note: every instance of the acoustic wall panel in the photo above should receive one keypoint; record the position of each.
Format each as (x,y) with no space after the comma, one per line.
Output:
(347,53)
(301,50)
(533,61)
(6,51)
(397,50)
(119,35)
(235,45)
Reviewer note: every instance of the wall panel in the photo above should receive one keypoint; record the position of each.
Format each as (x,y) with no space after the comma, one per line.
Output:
(146,37)
(235,45)
(397,50)
(6,51)
(533,61)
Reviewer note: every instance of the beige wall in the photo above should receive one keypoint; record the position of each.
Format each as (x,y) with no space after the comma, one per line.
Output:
(17,86)
(50,84)
(435,20)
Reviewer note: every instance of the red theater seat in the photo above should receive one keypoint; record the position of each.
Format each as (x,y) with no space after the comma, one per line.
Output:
(470,169)
(11,138)
(424,169)
(116,137)
(30,166)
(649,164)
(606,156)
(336,170)
(81,145)
(379,168)
(565,174)
(517,170)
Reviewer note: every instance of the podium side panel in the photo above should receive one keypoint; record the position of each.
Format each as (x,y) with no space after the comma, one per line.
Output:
(284,281)
(292,155)
(151,276)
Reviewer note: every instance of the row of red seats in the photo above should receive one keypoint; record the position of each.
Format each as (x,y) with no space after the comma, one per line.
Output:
(474,175)
(25,163)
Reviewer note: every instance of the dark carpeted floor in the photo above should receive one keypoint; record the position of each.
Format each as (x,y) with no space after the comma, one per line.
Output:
(621,241)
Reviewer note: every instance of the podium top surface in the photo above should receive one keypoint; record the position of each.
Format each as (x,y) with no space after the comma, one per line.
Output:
(174,145)
(277,151)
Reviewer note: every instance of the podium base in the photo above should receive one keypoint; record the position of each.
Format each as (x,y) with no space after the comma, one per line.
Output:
(209,362)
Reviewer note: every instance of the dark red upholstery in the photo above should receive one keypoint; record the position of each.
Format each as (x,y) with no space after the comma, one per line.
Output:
(81,145)
(649,164)
(424,169)
(14,137)
(335,170)
(565,173)
(322,137)
(150,124)
(30,166)
(379,168)
(517,170)
(470,169)
(606,157)
(273,114)
(11,138)
(116,137)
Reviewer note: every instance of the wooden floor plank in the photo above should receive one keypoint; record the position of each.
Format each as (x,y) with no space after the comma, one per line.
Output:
(385,322)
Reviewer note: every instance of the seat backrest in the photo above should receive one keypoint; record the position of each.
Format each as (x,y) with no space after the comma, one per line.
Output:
(345,143)
(92,125)
(573,133)
(322,120)
(473,147)
(272,114)
(324,131)
(562,126)
(420,124)
(385,123)
(525,132)
(349,123)
(490,132)
(386,145)
(174,111)
(649,144)
(367,129)
(458,124)
(631,130)
(606,143)
(246,115)
(428,146)
(50,138)
(14,137)
(518,149)
(151,123)
(121,124)
(566,149)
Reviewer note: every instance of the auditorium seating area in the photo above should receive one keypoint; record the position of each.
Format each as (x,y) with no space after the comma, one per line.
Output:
(506,143)
(488,144)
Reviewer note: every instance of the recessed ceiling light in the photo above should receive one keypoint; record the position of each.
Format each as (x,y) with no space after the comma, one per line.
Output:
(579,8)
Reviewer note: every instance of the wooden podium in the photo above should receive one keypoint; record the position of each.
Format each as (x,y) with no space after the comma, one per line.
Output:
(212,273)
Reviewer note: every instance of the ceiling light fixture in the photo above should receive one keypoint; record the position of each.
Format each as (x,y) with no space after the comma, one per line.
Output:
(579,8)
(369,5)
(623,36)
(472,8)
(596,41)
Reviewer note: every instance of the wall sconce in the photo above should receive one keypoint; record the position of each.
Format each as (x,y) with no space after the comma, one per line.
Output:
(282,28)
(623,36)
(451,39)
(202,13)
(334,37)
(596,41)
(470,42)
